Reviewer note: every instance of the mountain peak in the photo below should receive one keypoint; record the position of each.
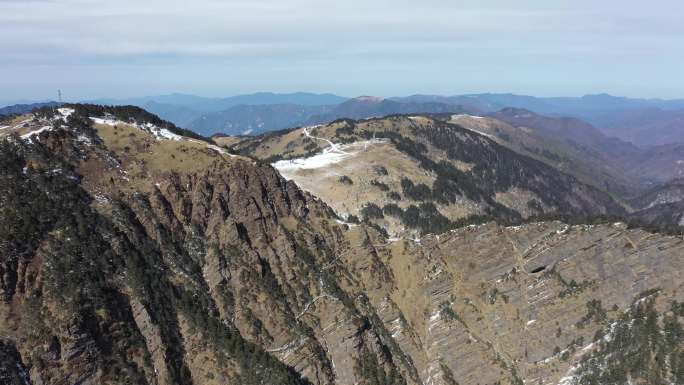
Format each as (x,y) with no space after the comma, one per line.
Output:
(516,113)
(368,99)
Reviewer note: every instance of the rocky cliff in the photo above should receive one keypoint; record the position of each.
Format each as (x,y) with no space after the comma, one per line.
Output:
(130,253)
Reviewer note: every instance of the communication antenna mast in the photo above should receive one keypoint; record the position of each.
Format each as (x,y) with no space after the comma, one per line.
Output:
(59,96)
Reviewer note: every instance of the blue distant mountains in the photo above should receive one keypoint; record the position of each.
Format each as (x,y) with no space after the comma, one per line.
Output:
(645,122)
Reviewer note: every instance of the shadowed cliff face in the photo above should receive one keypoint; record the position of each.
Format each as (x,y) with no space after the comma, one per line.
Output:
(116,269)
(153,259)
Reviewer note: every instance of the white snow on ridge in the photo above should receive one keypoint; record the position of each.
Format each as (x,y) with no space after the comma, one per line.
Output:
(335,153)
(472,129)
(490,136)
(65,112)
(3,127)
(161,133)
(36,132)
(316,161)
(107,121)
(333,146)
(466,116)
(157,132)
(220,150)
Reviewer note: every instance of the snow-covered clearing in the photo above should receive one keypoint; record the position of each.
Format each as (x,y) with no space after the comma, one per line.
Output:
(316,161)
(334,153)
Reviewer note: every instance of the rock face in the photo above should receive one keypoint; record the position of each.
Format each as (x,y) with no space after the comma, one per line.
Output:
(12,370)
(661,207)
(129,255)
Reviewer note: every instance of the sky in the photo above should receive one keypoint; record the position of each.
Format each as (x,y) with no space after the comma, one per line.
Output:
(125,48)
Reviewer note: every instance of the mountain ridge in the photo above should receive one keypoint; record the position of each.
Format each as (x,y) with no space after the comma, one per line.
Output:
(657,123)
(134,254)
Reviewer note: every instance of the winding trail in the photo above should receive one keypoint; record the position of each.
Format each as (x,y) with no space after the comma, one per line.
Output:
(333,147)
(308,305)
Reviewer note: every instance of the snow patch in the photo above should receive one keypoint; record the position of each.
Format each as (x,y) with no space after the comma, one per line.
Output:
(569,378)
(161,133)
(84,139)
(316,161)
(65,112)
(490,136)
(334,153)
(466,116)
(36,132)
(345,223)
(396,328)
(107,121)
(220,150)
(420,118)
(563,230)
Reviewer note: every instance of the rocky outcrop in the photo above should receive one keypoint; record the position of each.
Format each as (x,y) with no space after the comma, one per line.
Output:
(117,270)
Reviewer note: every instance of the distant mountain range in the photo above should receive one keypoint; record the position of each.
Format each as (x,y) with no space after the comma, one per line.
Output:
(18,109)
(644,122)
(220,115)
(646,126)
(256,119)
(247,119)
(589,105)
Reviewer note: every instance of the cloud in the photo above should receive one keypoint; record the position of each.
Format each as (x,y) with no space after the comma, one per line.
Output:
(298,35)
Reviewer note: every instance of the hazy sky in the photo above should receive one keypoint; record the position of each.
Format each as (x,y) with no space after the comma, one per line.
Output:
(117,48)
